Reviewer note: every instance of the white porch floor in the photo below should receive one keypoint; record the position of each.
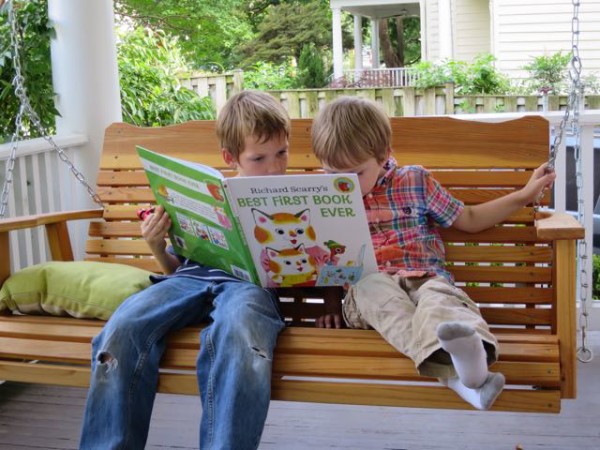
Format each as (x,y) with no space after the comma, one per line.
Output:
(44,417)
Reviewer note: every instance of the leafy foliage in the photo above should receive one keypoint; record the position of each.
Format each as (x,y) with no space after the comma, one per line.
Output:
(265,76)
(286,28)
(208,31)
(311,69)
(548,73)
(32,17)
(149,65)
(478,77)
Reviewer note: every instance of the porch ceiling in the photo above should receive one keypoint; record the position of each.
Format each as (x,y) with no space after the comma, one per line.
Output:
(378,9)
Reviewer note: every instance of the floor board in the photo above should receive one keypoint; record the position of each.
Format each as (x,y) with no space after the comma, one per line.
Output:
(47,417)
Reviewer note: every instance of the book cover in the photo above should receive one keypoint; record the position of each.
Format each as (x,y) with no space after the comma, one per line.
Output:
(275,231)
(204,228)
(304,230)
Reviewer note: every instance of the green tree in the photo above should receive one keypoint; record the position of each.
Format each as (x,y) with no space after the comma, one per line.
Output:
(208,31)
(149,66)
(32,17)
(286,28)
(311,69)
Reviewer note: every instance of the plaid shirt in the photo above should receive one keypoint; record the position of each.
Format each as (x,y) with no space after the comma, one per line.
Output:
(404,210)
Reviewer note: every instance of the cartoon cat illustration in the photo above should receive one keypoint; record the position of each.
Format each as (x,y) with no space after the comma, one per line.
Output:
(284,230)
(291,266)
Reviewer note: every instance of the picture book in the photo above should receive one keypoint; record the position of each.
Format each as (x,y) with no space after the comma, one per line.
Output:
(275,231)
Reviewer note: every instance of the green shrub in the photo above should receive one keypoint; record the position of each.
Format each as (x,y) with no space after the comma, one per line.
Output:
(477,77)
(548,73)
(265,76)
(149,66)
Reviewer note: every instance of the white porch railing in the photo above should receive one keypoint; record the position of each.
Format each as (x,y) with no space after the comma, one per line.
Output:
(42,183)
(393,77)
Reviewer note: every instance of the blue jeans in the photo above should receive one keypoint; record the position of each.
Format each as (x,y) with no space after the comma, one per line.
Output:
(233,367)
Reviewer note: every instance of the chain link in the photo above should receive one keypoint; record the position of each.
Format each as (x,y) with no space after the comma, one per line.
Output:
(26,109)
(576,98)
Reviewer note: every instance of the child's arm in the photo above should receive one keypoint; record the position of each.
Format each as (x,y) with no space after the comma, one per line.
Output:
(154,228)
(479,217)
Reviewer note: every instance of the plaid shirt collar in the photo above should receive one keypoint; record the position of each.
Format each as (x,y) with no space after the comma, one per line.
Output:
(390,167)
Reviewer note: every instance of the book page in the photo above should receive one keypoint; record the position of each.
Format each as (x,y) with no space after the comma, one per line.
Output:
(204,228)
(304,230)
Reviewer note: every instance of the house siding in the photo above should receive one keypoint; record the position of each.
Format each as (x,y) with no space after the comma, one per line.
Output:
(432,30)
(471,28)
(529,28)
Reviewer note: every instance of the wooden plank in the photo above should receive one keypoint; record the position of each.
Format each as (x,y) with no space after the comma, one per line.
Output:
(566,328)
(142,263)
(521,143)
(525,253)
(509,295)
(408,396)
(59,375)
(492,274)
(59,241)
(517,316)
(4,256)
(118,247)
(30,349)
(495,234)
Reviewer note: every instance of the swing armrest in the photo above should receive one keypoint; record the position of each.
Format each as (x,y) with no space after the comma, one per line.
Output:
(56,231)
(555,226)
(19,223)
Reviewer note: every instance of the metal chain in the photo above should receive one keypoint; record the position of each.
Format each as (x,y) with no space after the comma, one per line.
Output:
(25,108)
(584,354)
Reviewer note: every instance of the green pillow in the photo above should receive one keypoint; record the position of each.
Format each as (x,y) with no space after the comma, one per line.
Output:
(80,289)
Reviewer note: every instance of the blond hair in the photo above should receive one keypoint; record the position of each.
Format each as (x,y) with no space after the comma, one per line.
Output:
(350,130)
(251,113)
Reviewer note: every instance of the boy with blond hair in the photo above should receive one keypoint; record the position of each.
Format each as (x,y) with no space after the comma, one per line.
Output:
(236,354)
(412,301)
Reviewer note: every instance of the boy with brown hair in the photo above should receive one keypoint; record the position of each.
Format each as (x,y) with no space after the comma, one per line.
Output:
(236,354)
(412,301)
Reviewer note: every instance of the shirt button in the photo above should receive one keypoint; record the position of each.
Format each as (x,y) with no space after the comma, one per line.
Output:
(369,196)
(388,264)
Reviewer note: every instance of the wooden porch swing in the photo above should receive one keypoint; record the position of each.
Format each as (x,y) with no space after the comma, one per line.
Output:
(522,273)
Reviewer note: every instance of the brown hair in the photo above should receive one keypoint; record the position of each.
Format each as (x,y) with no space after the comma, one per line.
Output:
(251,113)
(349,130)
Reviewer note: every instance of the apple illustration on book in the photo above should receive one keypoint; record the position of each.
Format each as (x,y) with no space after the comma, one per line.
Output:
(344,185)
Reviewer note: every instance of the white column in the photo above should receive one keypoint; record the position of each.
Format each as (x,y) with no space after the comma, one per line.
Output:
(358,42)
(375,43)
(445,23)
(338,50)
(86,81)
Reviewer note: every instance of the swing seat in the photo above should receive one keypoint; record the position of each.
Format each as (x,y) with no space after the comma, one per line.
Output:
(522,273)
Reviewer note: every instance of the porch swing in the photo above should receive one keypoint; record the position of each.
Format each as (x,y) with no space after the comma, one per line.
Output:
(522,273)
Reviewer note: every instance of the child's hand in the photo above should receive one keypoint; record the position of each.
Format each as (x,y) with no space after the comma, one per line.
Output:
(154,228)
(332,320)
(540,180)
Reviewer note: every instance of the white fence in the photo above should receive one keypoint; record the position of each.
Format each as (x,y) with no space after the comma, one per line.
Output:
(362,78)
(41,183)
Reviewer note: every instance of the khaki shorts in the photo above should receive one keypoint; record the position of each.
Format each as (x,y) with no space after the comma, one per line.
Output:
(407,311)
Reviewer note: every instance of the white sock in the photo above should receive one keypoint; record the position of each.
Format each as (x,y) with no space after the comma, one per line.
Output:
(467,352)
(481,398)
